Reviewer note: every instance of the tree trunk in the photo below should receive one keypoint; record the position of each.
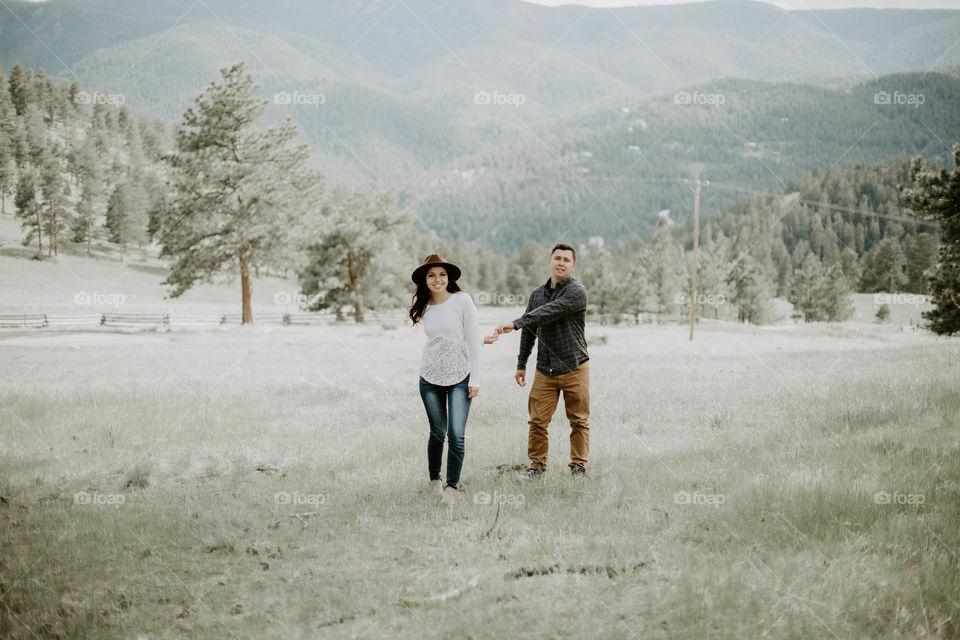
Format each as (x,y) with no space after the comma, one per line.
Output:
(39,236)
(352,272)
(245,292)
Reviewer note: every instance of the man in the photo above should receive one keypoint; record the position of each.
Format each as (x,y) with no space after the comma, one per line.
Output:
(555,315)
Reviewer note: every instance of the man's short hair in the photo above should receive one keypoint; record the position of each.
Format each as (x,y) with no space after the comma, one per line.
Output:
(563,246)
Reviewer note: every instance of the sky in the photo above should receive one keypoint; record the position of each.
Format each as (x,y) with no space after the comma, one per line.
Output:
(784,4)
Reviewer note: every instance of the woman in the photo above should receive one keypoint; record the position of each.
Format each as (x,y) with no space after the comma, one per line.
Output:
(449,367)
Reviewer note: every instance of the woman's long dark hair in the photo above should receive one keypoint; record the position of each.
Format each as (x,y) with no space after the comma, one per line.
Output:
(421,297)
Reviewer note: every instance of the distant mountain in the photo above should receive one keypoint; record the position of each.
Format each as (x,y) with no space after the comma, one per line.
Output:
(611,174)
(501,120)
(404,83)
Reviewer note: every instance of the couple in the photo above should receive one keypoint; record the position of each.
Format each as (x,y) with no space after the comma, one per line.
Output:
(450,372)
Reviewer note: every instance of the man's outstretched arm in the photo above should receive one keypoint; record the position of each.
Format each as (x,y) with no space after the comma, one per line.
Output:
(572,299)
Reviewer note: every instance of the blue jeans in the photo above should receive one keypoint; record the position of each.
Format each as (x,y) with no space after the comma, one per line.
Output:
(447,410)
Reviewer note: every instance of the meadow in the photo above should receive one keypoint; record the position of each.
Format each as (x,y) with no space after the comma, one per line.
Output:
(782,482)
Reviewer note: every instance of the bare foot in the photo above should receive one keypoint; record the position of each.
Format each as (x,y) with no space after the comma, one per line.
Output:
(436,485)
(449,496)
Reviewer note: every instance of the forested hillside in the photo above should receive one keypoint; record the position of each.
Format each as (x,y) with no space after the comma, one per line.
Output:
(612,178)
(77,165)
(400,81)
(94,177)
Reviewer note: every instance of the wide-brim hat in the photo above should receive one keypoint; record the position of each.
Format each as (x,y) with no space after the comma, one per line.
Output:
(435,260)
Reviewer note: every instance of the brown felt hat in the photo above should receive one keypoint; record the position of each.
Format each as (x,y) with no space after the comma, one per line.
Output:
(435,260)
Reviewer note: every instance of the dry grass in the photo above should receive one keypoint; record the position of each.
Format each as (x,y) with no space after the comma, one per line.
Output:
(148,485)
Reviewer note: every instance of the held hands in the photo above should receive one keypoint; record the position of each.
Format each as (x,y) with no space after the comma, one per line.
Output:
(521,374)
(506,327)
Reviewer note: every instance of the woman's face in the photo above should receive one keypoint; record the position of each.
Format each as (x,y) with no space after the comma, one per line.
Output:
(437,279)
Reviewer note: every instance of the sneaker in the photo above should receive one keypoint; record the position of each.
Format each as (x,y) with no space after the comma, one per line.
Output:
(531,473)
(578,472)
(449,496)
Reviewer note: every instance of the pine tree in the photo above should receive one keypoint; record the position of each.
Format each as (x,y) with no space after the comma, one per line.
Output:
(7,169)
(346,267)
(850,265)
(19,89)
(750,290)
(241,194)
(921,263)
(713,291)
(55,190)
(638,293)
(126,215)
(528,268)
(663,263)
(935,195)
(600,279)
(28,210)
(837,304)
(883,267)
(808,289)
(493,278)
(89,175)
(7,146)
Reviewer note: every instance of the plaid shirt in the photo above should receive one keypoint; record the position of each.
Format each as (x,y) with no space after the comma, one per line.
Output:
(556,317)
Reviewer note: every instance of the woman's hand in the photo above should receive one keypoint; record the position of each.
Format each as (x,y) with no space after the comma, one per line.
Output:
(491,339)
(473,392)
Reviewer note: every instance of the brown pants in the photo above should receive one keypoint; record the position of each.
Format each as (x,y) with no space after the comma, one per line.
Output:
(544,396)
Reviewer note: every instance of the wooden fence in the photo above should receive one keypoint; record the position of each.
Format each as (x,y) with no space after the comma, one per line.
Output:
(169,320)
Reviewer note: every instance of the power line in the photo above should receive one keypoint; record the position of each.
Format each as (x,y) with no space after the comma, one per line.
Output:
(734,187)
(832,207)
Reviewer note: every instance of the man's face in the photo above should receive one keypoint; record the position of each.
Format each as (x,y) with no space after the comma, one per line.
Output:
(562,264)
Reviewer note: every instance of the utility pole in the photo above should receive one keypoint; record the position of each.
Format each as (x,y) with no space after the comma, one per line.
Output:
(696,185)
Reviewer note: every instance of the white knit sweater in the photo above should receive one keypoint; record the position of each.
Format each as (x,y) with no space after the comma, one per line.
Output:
(453,342)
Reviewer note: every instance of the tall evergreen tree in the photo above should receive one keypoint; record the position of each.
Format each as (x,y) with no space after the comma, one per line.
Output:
(935,195)
(241,194)
(713,291)
(89,174)
(663,263)
(28,210)
(750,290)
(808,289)
(7,169)
(850,265)
(638,293)
(921,263)
(883,267)
(346,267)
(600,279)
(126,217)
(837,304)
(20,89)
(55,190)
(528,268)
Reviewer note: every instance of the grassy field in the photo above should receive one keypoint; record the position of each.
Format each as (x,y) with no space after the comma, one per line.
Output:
(784,482)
